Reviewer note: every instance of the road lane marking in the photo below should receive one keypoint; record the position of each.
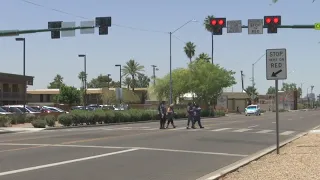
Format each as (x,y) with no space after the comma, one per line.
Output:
(264,131)
(242,130)
(25,148)
(252,126)
(287,133)
(273,122)
(138,148)
(222,129)
(289,119)
(64,162)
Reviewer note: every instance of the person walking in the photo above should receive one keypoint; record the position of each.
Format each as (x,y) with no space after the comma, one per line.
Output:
(197,115)
(170,115)
(162,114)
(190,115)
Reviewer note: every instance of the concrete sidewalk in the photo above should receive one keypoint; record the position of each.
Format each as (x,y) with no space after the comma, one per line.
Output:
(298,160)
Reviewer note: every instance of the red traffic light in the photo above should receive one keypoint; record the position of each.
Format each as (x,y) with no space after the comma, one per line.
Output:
(276,20)
(221,22)
(268,20)
(213,22)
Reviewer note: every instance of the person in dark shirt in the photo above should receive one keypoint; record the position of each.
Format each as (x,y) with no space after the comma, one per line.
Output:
(162,114)
(190,115)
(197,115)
(170,114)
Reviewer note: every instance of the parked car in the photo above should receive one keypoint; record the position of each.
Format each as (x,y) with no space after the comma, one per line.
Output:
(13,110)
(49,109)
(27,109)
(4,112)
(253,110)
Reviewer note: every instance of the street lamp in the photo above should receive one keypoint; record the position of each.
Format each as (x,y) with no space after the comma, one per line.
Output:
(24,69)
(119,65)
(170,33)
(154,68)
(85,78)
(253,68)
(109,81)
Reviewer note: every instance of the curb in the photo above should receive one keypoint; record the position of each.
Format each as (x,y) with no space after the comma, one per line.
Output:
(6,132)
(216,175)
(113,124)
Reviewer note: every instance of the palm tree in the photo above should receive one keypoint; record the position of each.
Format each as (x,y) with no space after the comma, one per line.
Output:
(203,57)
(133,69)
(82,77)
(127,82)
(207,23)
(190,49)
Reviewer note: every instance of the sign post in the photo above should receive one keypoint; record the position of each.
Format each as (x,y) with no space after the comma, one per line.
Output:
(276,69)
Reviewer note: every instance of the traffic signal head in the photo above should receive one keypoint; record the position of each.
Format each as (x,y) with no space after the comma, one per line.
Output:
(272,23)
(103,23)
(217,25)
(55,34)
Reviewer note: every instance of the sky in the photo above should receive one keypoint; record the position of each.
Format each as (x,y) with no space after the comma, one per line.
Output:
(140,31)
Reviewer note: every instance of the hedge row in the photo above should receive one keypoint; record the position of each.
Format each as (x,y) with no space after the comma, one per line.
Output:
(77,117)
(80,117)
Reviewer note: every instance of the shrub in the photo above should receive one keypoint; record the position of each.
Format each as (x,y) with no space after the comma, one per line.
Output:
(39,123)
(5,121)
(220,113)
(50,120)
(28,118)
(66,119)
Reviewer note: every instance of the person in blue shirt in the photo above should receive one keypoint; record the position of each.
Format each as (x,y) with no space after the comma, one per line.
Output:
(190,115)
(197,115)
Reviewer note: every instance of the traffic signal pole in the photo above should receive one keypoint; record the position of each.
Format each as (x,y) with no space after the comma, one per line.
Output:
(30,31)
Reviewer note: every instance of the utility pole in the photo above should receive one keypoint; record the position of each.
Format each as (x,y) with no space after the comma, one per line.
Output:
(85,78)
(154,69)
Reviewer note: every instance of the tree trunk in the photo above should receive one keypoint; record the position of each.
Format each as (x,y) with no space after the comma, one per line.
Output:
(132,83)
(190,60)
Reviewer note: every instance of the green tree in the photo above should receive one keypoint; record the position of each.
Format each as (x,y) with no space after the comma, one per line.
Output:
(82,77)
(290,87)
(207,23)
(133,69)
(252,92)
(127,82)
(271,90)
(203,57)
(57,82)
(68,95)
(190,49)
(208,81)
(100,82)
(143,81)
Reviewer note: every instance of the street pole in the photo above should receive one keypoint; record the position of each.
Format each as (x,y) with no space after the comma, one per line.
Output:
(253,84)
(277,116)
(170,101)
(170,34)
(154,74)
(212,47)
(24,70)
(109,81)
(85,78)
(119,65)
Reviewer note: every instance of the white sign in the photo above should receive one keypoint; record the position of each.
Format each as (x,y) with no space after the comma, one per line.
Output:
(276,64)
(69,33)
(234,26)
(255,26)
(87,24)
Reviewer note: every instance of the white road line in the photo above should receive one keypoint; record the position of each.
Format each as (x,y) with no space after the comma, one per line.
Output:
(241,130)
(264,131)
(287,133)
(63,162)
(253,126)
(222,129)
(273,122)
(177,129)
(128,148)
(301,117)
(289,119)
(151,129)
(194,152)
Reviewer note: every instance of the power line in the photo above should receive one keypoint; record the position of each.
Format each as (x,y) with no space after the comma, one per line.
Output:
(82,17)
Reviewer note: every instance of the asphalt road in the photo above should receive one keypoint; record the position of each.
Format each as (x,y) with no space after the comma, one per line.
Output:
(142,151)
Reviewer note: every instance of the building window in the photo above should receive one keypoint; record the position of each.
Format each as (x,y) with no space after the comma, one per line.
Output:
(48,98)
(41,97)
(29,96)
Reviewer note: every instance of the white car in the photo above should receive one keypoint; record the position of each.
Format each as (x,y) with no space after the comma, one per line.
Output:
(253,110)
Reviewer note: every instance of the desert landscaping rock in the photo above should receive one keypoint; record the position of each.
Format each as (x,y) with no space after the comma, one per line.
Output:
(298,160)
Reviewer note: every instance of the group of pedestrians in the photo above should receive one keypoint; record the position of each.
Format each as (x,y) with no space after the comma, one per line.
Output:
(193,113)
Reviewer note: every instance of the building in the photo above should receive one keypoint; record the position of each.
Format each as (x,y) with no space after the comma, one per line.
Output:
(13,88)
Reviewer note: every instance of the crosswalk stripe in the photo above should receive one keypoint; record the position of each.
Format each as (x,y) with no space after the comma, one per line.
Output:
(175,129)
(222,129)
(287,133)
(242,130)
(264,131)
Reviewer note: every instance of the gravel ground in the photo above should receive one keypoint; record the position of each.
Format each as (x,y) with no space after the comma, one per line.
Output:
(299,160)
